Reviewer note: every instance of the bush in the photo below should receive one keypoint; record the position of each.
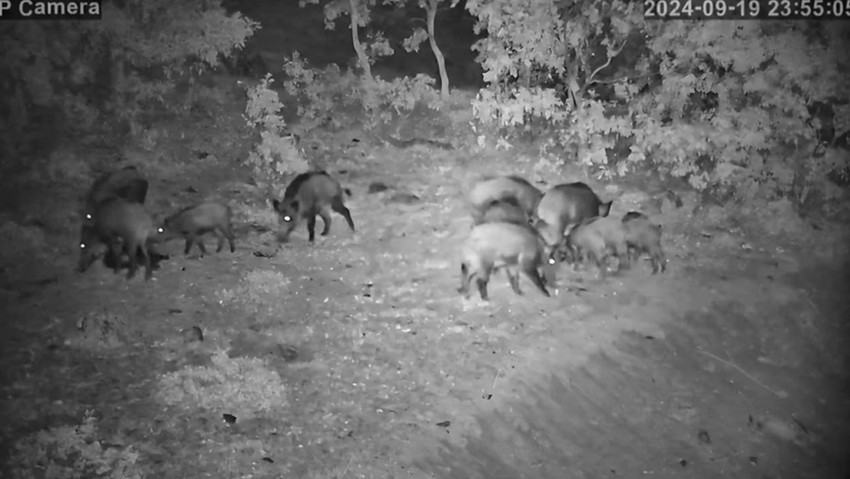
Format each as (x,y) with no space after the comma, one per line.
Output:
(76,76)
(324,95)
(743,110)
(277,153)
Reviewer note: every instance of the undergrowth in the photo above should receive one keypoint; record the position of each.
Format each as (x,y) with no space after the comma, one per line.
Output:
(241,386)
(71,452)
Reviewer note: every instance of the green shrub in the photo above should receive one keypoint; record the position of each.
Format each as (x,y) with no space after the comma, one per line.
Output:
(743,110)
(325,96)
(122,70)
(277,153)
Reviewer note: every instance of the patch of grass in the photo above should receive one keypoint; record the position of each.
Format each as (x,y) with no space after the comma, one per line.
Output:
(99,330)
(69,452)
(241,386)
(259,291)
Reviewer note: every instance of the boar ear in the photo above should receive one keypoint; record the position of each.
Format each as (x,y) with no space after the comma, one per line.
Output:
(276,205)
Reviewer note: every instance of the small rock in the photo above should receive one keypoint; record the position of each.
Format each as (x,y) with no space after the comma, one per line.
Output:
(377,187)
(288,353)
(403,198)
(703,437)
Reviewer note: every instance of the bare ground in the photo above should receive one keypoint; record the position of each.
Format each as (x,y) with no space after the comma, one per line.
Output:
(733,364)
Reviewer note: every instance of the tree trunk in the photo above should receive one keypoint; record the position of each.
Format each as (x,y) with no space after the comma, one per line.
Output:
(120,85)
(571,69)
(358,47)
(799,184)
(431,11)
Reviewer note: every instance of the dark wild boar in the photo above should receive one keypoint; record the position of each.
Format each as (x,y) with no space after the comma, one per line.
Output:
(507,210)
(644,237)
(122,226)
(127,183)
(595,238)
(490,189)
(193,222)
(567,205)
(310,194)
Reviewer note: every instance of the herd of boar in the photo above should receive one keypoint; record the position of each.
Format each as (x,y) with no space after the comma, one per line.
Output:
(516,227)
(114,215)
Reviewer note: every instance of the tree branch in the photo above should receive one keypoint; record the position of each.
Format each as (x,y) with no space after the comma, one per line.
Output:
(611,55)
(627,77)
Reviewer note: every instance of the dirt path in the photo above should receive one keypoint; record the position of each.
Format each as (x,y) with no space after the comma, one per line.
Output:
(732,383)
(730,365)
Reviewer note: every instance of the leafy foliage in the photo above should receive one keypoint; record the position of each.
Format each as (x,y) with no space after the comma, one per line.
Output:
(419,35)
(520,108)
(81,73)
(323,95)
(358,12)
(727,106)
(540,58)
(519,35)
(385,100)
(381,100)
(277,153)
(732,110)
(319,93)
